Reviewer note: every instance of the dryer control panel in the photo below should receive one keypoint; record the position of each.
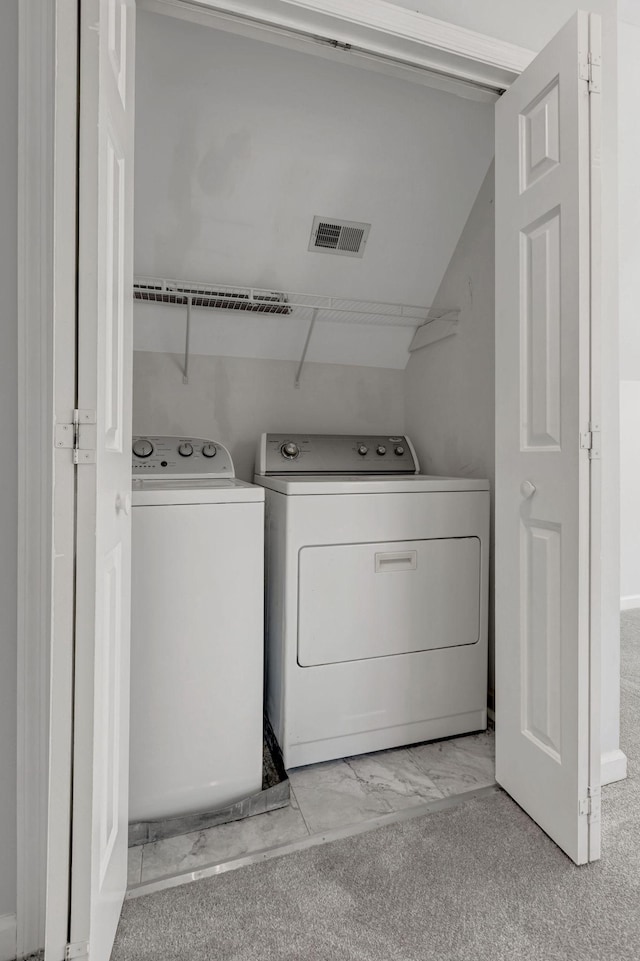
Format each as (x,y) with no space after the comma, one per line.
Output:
(336,454)
(180,457)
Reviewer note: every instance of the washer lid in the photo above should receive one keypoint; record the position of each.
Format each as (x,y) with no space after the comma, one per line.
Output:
(155,491)
(381,484)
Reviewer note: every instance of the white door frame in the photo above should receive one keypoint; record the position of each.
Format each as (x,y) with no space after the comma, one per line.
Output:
(46,377)
(392,39)
(35,308)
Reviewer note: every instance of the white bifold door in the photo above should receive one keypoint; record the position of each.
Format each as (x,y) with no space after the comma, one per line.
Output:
(103,539)
(547,429)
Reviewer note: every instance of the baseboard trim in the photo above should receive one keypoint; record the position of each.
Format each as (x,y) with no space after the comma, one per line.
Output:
(630,602)
(613,767)
(8,937)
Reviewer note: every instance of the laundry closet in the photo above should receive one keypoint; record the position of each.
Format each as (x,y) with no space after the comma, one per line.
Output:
(315,260)
(242,148)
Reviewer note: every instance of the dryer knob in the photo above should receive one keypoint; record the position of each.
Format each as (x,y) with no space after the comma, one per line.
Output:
(290,450)
(399,450)
(185,450)
(363,449)
(142,447)
(381,449)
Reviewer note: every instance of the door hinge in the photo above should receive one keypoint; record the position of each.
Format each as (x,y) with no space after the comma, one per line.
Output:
(590,440)
(74,952)
(590,806)
(591,71)
(79,436)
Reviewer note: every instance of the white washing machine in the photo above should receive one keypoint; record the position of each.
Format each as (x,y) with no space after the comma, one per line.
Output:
(377,596)
(197,636)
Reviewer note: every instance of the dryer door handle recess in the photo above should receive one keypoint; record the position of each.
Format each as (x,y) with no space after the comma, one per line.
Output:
(396,561)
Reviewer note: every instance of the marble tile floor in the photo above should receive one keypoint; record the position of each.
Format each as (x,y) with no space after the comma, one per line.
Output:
(329,796)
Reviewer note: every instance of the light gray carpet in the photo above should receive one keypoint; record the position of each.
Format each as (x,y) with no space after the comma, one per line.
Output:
(479,882)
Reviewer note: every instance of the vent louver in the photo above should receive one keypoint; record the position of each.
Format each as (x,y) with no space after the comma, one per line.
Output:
(345,237)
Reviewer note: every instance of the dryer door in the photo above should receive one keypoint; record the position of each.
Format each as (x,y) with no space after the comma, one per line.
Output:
(362,601)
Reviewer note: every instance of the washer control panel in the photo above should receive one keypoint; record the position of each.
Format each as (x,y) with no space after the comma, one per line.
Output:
(180,457)
(335,454)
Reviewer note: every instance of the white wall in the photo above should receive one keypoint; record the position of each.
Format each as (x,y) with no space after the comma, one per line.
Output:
(226,333)
(233,400)
(449,386)
(629,182)
(240,143)
(629,160)
(527,23)
(629,488)
(8,468)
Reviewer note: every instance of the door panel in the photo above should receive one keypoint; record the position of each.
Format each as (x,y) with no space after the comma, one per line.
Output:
(103,540)
(116,224)
(545,722)
(539,132)
(540,334)
(542,637)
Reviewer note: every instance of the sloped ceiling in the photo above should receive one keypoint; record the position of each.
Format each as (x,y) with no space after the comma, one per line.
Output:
(239,144)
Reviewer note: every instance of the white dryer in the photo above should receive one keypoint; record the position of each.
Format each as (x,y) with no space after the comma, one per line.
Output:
(196,630)
(377,596)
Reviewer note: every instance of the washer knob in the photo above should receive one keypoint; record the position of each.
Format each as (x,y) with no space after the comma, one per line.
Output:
(185,449)
(399,450)
(363,449)
(290,450)
(381,449)
(209,450)
(142,448)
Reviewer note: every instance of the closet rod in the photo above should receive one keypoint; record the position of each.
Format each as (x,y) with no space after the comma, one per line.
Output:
(487,88)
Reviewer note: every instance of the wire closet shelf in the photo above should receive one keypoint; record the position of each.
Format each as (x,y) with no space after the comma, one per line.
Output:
(301,307)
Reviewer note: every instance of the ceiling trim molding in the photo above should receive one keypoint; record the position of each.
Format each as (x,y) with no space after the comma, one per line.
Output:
(411,25)
(369,33)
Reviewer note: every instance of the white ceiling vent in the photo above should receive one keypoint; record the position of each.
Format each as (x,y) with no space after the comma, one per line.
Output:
(345,237)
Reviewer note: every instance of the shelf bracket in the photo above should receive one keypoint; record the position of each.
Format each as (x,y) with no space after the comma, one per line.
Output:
(187,336)
(306,346)
(435,329)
